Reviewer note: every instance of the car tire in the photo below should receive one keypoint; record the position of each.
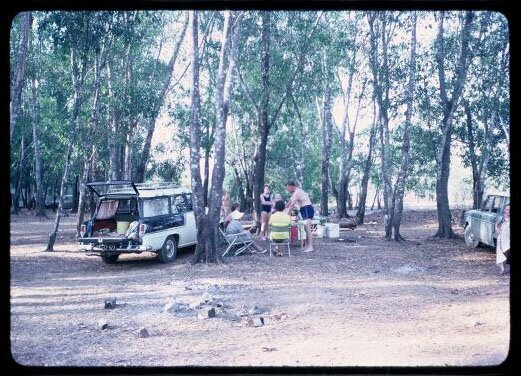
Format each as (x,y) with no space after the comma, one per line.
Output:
(168,252)
(112,259)
(470,238)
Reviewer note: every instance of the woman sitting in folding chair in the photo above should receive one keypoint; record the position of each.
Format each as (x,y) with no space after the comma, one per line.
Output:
(279,228)
(235,227)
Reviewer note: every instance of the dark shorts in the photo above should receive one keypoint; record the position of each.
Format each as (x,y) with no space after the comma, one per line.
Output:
(266,208)
(507,255)
(307,212)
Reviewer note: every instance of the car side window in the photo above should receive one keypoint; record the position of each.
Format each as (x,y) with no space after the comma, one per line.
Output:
(174,207)
(124,206)
(180,203)
(189,203)
(155,207)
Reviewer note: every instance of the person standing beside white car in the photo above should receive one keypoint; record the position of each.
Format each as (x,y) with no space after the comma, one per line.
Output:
(503,240)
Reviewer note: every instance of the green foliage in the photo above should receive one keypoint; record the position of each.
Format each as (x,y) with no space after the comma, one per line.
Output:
(136,47)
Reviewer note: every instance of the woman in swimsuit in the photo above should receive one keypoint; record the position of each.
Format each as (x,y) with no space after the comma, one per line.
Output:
(266,205)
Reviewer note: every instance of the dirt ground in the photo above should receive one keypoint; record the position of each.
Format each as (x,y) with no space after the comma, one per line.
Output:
(362,303)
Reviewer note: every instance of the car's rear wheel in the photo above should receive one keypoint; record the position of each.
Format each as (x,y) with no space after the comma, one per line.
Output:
(112,259)
(168,252)
(470,238)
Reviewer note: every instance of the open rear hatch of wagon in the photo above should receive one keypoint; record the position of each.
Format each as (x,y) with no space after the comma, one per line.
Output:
(117,209)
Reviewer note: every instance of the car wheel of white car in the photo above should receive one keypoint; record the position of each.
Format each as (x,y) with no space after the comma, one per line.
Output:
(470,238)
(168,252)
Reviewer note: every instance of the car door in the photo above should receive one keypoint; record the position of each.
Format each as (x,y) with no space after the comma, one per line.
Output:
(488,219)
(187,233)
(160,220)
(190,220)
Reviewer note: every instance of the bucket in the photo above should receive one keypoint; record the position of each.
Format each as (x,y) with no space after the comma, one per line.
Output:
(332,230)
(321,231)
(122,227)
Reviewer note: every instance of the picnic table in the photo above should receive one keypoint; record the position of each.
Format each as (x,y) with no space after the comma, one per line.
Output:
(301,230)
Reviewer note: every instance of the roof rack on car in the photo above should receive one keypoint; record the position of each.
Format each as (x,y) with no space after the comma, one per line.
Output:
(155,186)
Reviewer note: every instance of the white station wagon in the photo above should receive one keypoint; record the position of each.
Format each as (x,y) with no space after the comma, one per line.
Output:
(135,218)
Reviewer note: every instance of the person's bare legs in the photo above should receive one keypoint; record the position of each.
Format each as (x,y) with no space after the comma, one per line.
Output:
(263,225)
(501,268)
(308,244)
(258,248)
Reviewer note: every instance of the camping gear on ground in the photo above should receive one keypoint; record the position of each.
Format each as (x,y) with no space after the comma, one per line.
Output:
(332,230)
(122,227)
(321,231)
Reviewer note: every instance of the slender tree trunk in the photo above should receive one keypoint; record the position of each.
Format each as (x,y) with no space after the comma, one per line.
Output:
(89,161)
(113,136)
(449,107)
(207,224)
(326,150)
(381,89)
(476,189)
(17,85)
(195,145)
(240,188)
(301,164)
(483,167)
(145,155)
(402,175)
(360,214)
(77,86)
(260,155)
(18,189)
(40,199)
(342,173)
(206,175)
(75,194)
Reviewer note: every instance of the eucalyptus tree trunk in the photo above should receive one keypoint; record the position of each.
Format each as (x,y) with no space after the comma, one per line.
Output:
(360,213)
(402,175)
(145,155)
(40,199)
(449,106)
(206,179)
(381,89)
(18,189)
(301,159)
(207,224)
(77,83)
(17,85)
(93,124)
(114,141)
(342,175)
(484,161)
(326,149)
(477,189)
(264,126)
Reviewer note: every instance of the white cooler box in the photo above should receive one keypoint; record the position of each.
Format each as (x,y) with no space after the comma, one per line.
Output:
(332,230)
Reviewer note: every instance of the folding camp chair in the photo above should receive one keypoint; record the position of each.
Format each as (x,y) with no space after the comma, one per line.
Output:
(238,241)
(276,242)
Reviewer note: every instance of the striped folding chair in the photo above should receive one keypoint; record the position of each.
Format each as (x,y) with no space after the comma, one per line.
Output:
(276,242)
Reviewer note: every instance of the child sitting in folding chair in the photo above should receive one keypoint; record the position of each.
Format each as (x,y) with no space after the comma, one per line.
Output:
(280,223)
(237,237)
